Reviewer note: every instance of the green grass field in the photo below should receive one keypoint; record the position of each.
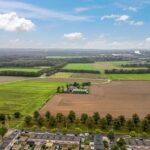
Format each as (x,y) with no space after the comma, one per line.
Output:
(25,96)
(80,66)
(34,69)
(100,66)
(21,69)
(128,76)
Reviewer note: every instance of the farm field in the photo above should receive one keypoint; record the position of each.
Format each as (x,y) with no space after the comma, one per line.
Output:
(26,96)
(21,69)
(75,75)
(80,66)
(62,75)
(128,76)
(7,79)
(33,69)
(100,66)
(116,98)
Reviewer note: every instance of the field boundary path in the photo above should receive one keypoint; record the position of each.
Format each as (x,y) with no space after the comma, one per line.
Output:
(93,81)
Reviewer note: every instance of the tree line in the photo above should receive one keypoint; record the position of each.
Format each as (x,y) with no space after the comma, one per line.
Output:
(20,73)
(48,71)
(127,71)
(142,65)
(85,123)
(80,71)
(94,122)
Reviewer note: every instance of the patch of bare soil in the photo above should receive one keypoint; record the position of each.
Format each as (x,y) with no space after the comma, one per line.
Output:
(7,79)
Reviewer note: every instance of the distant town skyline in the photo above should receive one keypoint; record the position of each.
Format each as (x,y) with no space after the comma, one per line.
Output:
(83,24)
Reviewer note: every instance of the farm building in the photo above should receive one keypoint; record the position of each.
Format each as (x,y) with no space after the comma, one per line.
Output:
(80,91)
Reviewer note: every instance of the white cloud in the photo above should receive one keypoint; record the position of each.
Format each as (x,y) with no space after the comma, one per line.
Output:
(74,36)
(31,11)
(123,18)
(130,8)
(138,23)
(147,39)
(116,17)
(11,22)
(83,9)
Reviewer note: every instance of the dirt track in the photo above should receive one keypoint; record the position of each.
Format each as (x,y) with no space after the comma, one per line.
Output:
(116,98)
(70,80)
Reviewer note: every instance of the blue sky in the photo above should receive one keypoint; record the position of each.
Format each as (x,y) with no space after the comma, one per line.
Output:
(101,24)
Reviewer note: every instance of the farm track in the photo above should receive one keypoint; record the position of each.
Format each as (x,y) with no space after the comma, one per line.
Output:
(93,81)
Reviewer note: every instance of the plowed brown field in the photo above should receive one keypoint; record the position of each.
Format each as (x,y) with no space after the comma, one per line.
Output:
(116,98)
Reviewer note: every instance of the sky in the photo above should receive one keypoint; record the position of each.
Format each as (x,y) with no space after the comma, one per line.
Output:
(73,24)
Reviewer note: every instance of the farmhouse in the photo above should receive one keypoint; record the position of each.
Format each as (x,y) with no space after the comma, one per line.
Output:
(80,91)
(75,88)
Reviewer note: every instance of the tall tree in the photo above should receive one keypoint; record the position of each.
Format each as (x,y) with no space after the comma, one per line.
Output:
(109,119)
(59,117)
(122,120)
(103,123)
(17,114)
(52,121)
(145,125)
(90,122)
(36,115)
(71,116)
(47,115)
(116,124)
(96,117)
(148,118)
(130,125)
(84,118)
(136,119)
(28,120)
(40,121)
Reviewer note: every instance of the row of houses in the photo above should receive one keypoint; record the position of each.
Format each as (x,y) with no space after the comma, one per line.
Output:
(138,144)
(9,141)
(18,140)
(50,139)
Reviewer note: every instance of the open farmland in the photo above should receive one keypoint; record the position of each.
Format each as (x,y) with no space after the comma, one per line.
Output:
(21,69)
(80,66)
(75,75)
(101,66)
(25,96)
(116,98)
(128,76)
